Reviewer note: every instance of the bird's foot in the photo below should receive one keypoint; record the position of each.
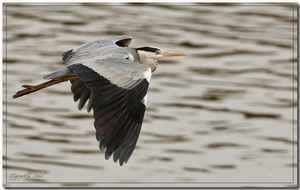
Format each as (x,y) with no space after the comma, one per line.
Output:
(28,89)
(28,86)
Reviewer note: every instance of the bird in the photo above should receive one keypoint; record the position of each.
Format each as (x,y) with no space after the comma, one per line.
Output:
(114,79)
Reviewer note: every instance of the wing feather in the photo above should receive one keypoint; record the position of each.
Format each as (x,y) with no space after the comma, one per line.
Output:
(117,101)
(118,70)
(90,47)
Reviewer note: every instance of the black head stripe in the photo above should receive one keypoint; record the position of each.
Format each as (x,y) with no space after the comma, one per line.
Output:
(149,49)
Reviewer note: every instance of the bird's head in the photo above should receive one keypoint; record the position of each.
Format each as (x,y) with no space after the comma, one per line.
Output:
(156,53)
(150,55)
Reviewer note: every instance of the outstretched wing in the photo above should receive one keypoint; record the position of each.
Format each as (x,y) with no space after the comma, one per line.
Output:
(90,47)
(119,87)
(82,53)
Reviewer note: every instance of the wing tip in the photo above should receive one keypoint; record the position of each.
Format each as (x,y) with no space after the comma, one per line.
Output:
(66,55)
(123,41)
(115,158)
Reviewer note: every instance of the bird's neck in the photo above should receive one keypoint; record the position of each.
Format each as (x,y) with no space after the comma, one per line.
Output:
(150,62)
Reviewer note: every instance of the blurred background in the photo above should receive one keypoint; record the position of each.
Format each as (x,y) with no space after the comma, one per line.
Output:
(222,116)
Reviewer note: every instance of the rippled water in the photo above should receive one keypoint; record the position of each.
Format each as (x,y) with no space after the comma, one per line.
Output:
(225,115)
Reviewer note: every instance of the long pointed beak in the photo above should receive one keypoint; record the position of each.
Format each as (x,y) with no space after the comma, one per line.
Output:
(171,54)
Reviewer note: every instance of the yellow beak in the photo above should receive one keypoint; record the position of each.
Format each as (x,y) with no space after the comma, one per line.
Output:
(171,54)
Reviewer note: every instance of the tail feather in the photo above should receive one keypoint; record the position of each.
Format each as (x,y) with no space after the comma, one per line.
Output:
(58,73)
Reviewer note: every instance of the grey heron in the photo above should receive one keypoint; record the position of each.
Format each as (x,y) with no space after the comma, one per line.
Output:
(115,79)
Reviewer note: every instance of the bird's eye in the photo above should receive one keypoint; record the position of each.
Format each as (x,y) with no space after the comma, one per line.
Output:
(157,52)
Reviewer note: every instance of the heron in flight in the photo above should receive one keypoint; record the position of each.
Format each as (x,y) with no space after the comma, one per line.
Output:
(115,79)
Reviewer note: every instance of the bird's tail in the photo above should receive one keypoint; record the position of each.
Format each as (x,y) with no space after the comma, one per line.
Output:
(58,73)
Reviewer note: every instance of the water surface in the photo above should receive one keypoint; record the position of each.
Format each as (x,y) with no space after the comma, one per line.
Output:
(224,115)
